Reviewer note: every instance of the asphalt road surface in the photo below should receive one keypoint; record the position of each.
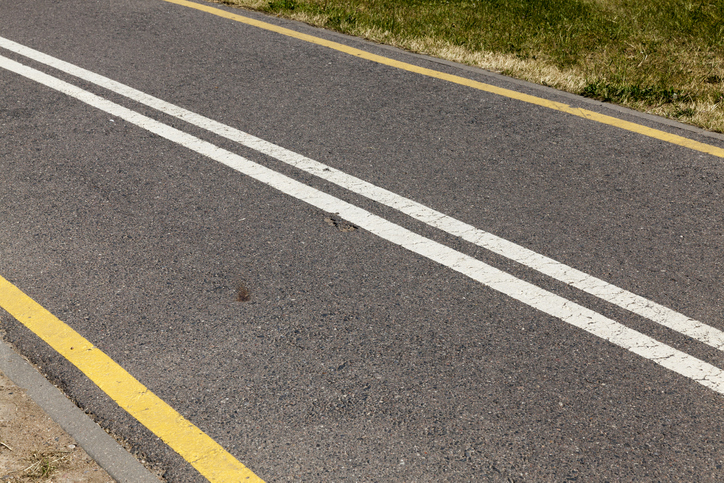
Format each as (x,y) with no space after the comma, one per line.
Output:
(343,270)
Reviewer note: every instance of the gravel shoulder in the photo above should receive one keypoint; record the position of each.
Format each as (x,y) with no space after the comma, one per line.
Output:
(35,448)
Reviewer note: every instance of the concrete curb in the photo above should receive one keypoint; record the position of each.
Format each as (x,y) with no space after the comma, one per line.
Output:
(99,445)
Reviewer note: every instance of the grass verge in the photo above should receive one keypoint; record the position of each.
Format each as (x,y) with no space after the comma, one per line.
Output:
(43,465)
(665,57)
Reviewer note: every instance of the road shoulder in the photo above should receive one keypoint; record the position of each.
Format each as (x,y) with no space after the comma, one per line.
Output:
(40,426)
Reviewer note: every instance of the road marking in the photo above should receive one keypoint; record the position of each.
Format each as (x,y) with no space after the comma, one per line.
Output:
(204,454)
(527,293)
(594,286)
(538,101)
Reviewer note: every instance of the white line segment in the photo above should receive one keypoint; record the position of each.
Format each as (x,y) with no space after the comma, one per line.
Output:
(547,302)
(563,273)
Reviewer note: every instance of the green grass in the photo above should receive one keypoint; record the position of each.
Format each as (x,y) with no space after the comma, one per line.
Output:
(661,56)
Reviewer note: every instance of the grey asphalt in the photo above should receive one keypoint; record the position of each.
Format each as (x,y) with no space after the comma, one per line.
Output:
(354,360)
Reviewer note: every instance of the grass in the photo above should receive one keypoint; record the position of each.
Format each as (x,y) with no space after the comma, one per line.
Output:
(664,57)
(44,465)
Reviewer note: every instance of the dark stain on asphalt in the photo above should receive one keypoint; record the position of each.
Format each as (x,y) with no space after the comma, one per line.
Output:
(242,293)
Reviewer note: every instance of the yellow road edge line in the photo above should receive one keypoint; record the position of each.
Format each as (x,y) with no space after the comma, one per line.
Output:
(195,446)
(558,106)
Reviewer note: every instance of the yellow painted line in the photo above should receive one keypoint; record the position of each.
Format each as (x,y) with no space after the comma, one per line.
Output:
(195,446)
(558,106)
